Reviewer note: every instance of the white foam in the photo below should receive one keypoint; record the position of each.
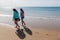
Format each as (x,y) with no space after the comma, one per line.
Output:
(4,15)
(43,17)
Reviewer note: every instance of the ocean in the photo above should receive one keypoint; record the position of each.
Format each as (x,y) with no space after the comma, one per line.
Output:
(35,11)
(33,15)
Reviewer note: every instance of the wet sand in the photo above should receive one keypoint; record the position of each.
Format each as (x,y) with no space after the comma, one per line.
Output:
(10,33)
(37,29)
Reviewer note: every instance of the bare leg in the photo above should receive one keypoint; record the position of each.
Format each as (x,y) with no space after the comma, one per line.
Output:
(16,24)
(23,23)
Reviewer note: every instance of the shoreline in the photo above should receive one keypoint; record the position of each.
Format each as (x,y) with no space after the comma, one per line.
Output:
(42,22)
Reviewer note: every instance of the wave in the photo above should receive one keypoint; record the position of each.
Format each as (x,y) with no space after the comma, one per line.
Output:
(41,17)
(33,17)
(4,15)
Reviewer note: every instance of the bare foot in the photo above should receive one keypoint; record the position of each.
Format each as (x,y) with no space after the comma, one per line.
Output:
(15,26)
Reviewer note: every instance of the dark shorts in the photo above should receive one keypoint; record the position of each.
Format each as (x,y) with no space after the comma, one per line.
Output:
(17,19)
(22,17)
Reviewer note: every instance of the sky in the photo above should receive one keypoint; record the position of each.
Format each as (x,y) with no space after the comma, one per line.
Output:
(29,3)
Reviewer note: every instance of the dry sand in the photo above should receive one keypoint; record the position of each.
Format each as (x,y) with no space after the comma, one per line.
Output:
(10,33)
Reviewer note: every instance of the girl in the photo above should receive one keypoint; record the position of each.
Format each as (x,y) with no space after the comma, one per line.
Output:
(22,16)
(16,17)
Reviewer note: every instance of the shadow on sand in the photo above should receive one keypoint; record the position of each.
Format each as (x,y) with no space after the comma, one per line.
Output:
(28,30)
(20,32)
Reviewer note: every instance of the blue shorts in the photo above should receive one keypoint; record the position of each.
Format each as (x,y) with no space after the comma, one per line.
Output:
(22,17)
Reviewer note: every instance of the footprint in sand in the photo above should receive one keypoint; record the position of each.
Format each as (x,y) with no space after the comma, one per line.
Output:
(37,32)
(58,39)
(47,34)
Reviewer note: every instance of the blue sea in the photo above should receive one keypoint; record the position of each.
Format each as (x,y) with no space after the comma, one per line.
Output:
(42,11)
(33,15)
(35,11)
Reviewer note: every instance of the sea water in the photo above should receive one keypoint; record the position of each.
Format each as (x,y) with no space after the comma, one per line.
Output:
(42,11)
(6,15)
